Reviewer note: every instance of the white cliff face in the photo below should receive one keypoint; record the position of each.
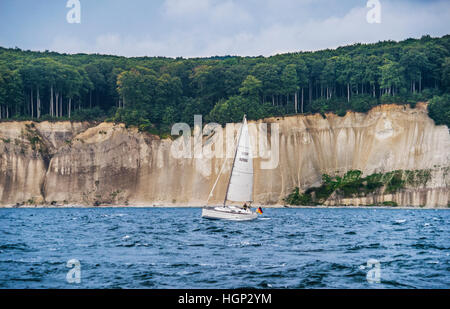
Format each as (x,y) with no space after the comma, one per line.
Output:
(23,162)
(79,163)
(387,138)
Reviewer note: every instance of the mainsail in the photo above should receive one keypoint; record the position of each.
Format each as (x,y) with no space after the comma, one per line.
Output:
(240,186)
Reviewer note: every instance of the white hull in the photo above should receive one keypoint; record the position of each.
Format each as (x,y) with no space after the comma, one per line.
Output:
(228,213)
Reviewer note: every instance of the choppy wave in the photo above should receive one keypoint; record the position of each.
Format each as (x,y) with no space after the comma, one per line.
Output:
(175,248)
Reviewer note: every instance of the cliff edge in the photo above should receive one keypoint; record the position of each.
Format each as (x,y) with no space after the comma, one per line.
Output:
(90,164)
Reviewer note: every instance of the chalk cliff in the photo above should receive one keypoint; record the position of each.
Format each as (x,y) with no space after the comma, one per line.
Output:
(106,163)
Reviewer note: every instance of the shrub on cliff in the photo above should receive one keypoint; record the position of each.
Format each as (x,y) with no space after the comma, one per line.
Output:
(439,109)
(233,109)
(352,184)
(133,118)
(363,103)
(95,113)
(296,198)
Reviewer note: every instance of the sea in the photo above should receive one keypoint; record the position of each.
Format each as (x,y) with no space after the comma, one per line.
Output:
(174,248)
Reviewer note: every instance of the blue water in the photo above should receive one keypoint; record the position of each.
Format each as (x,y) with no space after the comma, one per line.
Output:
(175,248)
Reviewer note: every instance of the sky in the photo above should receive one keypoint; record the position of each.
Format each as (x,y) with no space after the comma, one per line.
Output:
(204,28)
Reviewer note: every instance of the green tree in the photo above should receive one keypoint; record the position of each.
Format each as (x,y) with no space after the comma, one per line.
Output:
(415,63)
(446,74)
(391,77)
(302,77)
(251,86)
(11,96)
(290,83)
(269,75)
(439,110)
(372,73)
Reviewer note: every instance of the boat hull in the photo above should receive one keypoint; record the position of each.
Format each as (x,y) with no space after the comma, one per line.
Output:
(225,213)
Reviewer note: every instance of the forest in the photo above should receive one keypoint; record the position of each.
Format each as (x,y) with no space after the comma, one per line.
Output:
(152,93)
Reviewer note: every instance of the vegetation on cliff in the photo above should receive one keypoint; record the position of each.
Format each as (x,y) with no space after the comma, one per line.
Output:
(153,93)
(439,109)
(352,185)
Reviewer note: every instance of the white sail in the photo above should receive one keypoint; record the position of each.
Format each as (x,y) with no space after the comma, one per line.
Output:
(241,181)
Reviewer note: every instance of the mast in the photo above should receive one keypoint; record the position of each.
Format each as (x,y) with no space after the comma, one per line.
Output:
(234,160)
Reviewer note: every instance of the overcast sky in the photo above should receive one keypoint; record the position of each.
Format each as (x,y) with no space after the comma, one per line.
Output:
(192,28)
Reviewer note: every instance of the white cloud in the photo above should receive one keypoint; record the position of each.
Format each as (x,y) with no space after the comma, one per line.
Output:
(213,27)
(185,8)
(229,12)
(400,21)
(204,13)
(108,42)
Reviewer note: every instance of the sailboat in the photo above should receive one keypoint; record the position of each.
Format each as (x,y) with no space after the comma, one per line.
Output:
(240,183)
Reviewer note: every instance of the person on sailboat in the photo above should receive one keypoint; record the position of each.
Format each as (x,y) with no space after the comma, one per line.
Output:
(245,206)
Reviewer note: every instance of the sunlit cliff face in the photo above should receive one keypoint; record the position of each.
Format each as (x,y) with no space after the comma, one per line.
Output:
(84,164)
